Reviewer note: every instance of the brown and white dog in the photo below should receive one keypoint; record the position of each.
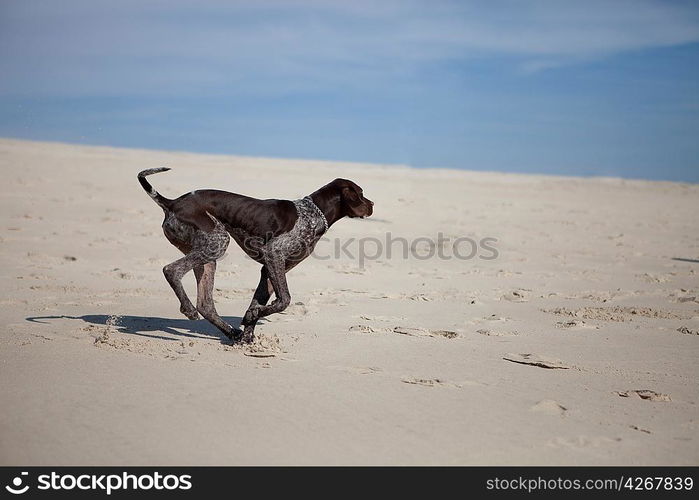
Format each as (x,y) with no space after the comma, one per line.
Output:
(276,233)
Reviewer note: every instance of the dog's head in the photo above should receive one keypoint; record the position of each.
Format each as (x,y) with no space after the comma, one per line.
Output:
(352,200)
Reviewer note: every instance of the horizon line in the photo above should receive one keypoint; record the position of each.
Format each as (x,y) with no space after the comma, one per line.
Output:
(351,162)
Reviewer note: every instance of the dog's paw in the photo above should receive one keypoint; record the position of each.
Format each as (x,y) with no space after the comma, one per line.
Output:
(190,313)
(248,336)
(234,334)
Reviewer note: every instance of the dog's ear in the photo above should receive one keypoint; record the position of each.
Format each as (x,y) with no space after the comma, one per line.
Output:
(350,194)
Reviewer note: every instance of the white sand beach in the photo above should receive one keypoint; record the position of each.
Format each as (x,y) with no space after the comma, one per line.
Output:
(576,345)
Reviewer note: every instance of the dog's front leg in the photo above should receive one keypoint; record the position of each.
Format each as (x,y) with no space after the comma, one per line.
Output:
(262,294)
(276,273)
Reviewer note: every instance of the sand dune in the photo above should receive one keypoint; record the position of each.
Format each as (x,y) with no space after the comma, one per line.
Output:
(576,345)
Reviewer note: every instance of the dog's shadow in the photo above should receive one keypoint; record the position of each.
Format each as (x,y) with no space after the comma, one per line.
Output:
(147,326)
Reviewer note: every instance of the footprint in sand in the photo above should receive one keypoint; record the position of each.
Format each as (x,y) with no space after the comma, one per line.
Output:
(644,394)
(298,309)
(595,296)
(420,297)
(536,360)
(259,354)
(575,324)
(497,333)
(264,346)
(491,319)
(519,295)
(424,332)
(381,318)
(495,317)
(549,407)
(618,313)
(472,300)
(655,278)
(429,382)
(367,329)
(404,330)
(687,331)
(359,370)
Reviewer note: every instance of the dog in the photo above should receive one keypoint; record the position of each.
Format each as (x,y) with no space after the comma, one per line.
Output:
(278,234)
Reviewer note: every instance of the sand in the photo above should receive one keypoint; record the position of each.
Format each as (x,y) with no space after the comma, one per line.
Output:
(577,345)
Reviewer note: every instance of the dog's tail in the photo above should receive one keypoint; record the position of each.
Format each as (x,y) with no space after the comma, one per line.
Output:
(163,202)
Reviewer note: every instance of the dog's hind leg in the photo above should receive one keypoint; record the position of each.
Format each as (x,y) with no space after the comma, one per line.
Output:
(206,248)
(205,300)
(173,274)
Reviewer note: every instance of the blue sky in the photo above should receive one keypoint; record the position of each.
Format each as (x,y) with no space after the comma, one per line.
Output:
(571,88)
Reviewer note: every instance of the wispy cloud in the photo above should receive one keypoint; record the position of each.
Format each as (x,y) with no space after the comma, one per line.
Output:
(74,47)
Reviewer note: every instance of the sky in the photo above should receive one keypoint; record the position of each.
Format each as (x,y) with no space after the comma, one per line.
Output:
(587,88)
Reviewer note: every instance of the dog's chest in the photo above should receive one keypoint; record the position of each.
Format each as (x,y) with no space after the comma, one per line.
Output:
(298,243)
(292,246)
